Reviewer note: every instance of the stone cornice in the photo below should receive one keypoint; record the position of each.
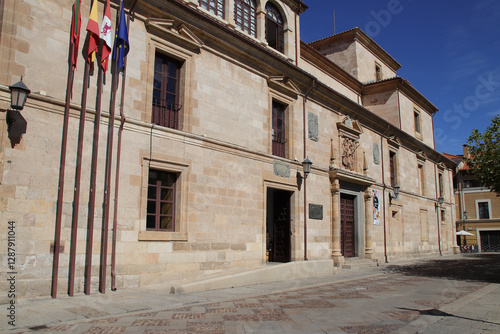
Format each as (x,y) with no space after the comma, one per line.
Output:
(315,57)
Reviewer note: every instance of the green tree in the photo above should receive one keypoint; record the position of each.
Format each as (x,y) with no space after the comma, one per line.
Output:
(484,157)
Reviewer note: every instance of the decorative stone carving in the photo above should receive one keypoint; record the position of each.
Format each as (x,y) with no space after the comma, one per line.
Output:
(376,154)
(349,147)
(281,168)
(313,126)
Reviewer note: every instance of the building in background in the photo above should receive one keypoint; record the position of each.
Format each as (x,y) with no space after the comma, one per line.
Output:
(221,105)
(477,210)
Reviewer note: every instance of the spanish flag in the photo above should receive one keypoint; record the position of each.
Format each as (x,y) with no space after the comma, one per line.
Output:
(93,29)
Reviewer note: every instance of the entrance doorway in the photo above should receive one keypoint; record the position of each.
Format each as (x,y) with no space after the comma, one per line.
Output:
(347,228)
(278,232)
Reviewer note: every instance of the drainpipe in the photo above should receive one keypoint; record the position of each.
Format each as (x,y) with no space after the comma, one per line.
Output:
(383,193)
(305,156)
(438,207)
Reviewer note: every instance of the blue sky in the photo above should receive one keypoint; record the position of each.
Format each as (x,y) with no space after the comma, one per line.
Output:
(448,50)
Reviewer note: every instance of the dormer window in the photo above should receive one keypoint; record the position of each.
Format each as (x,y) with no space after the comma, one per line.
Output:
(213,6)
(245,16)
(275,34)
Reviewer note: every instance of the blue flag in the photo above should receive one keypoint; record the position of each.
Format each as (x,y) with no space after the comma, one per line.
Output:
(121,46)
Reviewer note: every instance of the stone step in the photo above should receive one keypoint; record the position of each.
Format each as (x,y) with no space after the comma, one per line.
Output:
(271,272)
(356,263)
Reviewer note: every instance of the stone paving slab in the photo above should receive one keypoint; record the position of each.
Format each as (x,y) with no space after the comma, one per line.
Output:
(368,301)
(410,303)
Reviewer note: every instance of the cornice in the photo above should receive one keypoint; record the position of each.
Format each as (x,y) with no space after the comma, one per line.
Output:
(310,53)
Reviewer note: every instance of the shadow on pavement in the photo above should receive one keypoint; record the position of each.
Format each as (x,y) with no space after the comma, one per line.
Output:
(438,313)
(482,267)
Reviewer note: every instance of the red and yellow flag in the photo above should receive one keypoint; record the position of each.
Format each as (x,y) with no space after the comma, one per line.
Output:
(106,37)
(93,29)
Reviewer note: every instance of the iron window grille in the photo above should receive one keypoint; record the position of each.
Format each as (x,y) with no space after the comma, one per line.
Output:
(166,105)
(279,130)
(392,166)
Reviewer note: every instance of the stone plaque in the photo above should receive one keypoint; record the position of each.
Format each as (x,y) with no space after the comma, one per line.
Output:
(376,154)
(281,168)
(316,211)
(313,127)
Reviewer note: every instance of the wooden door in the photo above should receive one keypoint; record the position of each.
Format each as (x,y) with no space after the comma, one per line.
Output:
(347,226)
(281,227)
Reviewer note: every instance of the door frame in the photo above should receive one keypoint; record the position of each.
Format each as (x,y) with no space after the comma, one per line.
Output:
(270,183)
(351,189)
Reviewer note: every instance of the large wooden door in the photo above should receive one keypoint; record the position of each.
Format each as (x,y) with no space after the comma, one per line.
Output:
(281,251)
(347,226)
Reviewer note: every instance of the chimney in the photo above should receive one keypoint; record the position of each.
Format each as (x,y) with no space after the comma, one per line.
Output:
(466,151)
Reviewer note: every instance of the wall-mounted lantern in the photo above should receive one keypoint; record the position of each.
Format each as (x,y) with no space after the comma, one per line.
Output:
(394,195)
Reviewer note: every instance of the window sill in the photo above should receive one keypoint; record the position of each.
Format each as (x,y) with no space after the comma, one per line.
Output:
(162,236)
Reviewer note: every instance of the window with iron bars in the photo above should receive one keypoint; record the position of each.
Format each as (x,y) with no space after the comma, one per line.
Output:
(166,92)
(279,129)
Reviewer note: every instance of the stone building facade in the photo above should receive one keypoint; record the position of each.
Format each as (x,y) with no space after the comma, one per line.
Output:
(477,209)
(221,105)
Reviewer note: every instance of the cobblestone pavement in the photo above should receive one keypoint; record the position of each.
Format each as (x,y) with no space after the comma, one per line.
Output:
(394,299)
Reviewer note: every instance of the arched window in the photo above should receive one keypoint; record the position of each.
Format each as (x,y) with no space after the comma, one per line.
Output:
(275,33)
(214,6)
(245,16)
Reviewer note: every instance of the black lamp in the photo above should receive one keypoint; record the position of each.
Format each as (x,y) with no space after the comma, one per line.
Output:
(306,165)
(18,95)
(395,194)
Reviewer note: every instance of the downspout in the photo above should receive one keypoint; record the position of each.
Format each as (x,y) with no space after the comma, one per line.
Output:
(118,156)
(305,156)
(438,207)
(383,193)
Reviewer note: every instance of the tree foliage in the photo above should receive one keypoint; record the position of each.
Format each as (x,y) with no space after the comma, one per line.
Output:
(484,157)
